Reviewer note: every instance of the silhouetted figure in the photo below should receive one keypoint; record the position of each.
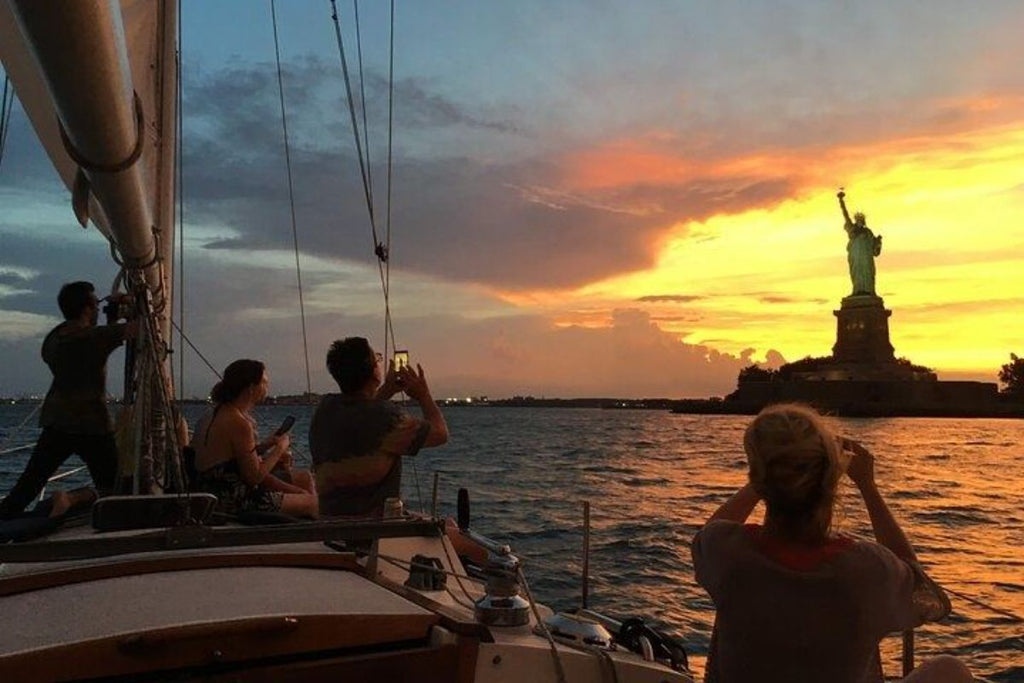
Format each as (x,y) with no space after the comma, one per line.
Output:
(793,601)
(74,416)
(230,462)
(357,437)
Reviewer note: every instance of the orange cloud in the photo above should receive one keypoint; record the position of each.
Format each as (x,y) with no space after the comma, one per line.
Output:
(767,276)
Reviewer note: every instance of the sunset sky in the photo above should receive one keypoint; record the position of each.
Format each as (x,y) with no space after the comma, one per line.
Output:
(589,198)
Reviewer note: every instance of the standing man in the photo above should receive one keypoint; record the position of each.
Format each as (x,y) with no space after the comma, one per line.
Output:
(74,416)
(357,438)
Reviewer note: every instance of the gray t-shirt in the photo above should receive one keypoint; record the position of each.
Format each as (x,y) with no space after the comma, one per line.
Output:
(787,616)
(349,435)
(77,400)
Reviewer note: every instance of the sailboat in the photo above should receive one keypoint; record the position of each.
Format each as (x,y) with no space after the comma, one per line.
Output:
(145,588)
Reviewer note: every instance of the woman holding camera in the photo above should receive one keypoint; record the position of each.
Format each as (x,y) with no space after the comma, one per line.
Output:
(233,466)
(795,602)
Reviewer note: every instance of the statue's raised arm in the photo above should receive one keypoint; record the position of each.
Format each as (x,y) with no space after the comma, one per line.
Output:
(842,205)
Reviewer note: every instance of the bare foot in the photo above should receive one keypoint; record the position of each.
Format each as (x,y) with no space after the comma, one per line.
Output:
(61,503)
(65,500)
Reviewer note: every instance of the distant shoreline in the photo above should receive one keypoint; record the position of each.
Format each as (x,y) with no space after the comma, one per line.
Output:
(686,406)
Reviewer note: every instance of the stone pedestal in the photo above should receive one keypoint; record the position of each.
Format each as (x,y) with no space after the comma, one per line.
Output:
(862,331)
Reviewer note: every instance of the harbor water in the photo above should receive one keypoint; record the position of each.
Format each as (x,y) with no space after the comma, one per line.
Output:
(652,478)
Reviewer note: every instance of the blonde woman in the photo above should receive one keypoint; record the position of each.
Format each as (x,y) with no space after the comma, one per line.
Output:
(795,602)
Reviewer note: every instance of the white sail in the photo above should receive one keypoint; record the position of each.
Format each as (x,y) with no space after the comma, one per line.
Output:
(83,64)
(98,81)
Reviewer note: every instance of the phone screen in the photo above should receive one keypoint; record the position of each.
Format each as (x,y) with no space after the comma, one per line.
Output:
(401,359)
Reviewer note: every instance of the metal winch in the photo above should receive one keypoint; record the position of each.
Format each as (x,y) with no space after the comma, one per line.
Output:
(502,605)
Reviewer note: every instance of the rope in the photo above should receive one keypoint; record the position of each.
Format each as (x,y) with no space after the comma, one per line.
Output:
(167,408)
(559,670)
(362,95)
(355,124)
(380,249)
(419,493)
(407,564)
(65,475)
(458,580)
(6,107)
(997,610)
(17,430)
(198,352)
(387,222)
(291,198)
(181,220)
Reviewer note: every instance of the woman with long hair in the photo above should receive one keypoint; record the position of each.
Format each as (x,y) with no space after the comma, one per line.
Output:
(232,465)
(795,601)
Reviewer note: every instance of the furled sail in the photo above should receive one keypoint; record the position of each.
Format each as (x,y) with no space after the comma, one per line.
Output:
(82,65)
(98,81)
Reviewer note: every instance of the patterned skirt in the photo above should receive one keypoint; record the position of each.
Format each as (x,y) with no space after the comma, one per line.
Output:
(224,480)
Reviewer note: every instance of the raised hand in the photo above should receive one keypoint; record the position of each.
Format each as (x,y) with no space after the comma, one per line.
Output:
(392,383)
(862,464)
(414,382)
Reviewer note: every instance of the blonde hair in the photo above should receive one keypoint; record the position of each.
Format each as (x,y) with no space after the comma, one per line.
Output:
(796,461)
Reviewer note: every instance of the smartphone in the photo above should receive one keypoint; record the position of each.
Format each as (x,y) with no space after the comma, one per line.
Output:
(401,360)
(286,426)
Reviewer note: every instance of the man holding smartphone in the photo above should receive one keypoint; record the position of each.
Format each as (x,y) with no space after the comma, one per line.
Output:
(357,438)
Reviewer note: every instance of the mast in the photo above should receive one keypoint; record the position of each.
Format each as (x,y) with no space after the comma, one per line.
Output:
(98,81)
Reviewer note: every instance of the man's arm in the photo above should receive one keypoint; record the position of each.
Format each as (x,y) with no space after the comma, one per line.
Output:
(415,384)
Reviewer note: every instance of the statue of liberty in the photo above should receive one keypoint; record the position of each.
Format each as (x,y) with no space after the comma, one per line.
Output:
(861,250)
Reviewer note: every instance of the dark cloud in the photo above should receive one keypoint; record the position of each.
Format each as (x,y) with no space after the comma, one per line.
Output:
(56,261)
(778,299)
(670,298)
(455,216)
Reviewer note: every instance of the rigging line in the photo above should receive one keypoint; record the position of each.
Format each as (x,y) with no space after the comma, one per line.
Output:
(291,200)
(170,416)
(14,432)
(555,656)
(387,221)
(6,108)
(980,603)
(362,95)
(419,493)
(355,123)
(198,352)
(369,164)
(378,248)
(181,223)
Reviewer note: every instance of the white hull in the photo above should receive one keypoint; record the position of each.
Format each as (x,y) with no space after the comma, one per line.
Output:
(295,611)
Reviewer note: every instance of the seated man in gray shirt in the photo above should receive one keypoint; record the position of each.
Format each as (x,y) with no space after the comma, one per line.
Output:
(357,437)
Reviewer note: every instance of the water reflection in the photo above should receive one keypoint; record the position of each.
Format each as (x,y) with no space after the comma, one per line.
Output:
(653,478)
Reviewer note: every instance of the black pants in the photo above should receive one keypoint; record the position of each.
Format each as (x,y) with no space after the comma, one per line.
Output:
(98,451)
